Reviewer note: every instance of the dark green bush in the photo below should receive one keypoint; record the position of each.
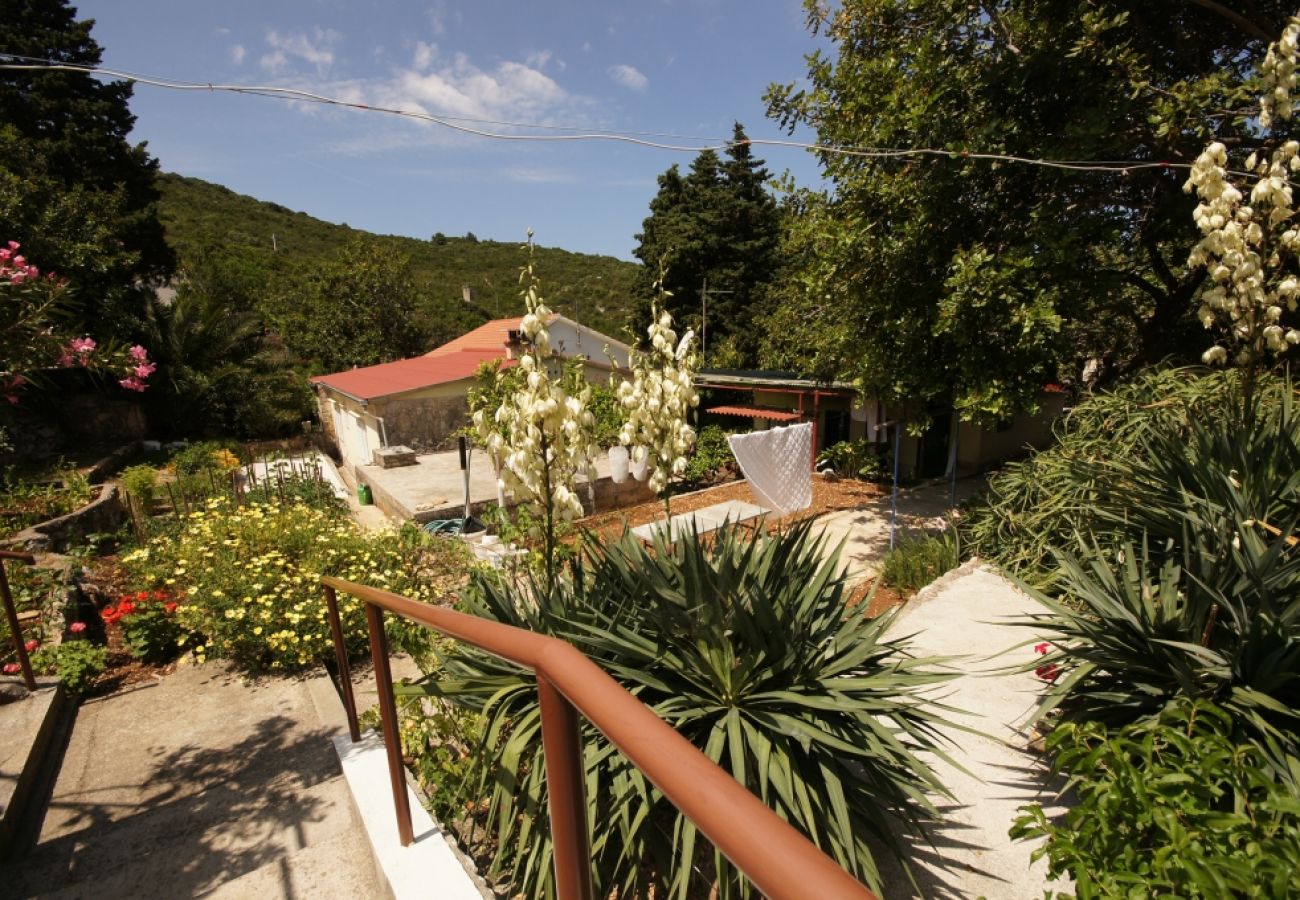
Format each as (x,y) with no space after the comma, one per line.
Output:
(712,452)
(854,459)
(916,562)
(1189,585)
(1173,806)
(742,644)
(1040,504)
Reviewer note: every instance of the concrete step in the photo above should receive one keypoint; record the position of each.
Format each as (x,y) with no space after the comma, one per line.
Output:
(197,782)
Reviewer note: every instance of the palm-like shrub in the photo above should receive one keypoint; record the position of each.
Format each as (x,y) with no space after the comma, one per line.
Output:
(1191,583)
(744,644)
(1038,505)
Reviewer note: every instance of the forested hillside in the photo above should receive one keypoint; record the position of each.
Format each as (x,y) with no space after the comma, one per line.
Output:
(204,218)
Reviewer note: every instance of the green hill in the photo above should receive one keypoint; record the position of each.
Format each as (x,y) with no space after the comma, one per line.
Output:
(203,217)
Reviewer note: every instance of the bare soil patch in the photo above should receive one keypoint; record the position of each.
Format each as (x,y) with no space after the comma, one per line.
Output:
(828,496)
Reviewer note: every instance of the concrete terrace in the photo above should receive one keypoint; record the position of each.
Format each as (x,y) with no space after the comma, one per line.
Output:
(434,487)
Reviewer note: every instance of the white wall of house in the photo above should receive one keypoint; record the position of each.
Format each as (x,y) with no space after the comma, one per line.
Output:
(568,338)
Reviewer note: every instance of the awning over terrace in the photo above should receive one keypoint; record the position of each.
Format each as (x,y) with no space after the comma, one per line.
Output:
(757,412)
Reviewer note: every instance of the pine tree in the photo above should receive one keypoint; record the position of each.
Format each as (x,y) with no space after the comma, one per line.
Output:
(73,191)
(716,226)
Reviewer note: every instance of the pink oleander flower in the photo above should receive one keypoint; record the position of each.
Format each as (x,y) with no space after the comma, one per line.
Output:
(11,668)
(82,346)
(77,627)
(139,354)
(131,383)
(1041,649)
(31,645)
(144,370)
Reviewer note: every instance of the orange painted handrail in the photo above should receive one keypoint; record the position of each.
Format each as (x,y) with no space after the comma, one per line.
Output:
(776,857)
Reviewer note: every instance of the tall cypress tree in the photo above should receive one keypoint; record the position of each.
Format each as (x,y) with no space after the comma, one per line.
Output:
(716,226)
(74,191)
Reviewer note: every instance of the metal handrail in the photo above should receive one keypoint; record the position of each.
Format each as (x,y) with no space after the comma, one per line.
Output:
(776,857)
(11,613)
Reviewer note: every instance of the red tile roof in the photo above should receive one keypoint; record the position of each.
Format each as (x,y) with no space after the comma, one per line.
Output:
(756,412)
(488,336)
(412,374)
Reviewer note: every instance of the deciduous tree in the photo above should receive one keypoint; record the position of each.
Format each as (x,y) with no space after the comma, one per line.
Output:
(940,277)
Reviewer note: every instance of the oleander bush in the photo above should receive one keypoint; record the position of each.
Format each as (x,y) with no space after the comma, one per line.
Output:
(742,643)
(247,578)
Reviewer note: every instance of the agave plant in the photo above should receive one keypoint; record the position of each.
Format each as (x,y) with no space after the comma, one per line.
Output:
(745,645)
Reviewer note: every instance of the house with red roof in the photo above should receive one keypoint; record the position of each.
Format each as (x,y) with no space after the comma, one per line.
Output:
(419,402)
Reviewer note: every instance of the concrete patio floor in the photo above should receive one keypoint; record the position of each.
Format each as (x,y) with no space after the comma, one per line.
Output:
(435,486)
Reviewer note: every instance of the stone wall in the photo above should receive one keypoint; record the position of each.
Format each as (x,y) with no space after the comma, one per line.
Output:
(102,515)
(425,424)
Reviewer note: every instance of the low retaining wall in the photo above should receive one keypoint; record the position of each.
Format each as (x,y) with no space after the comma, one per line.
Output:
(608,496)
(103,514)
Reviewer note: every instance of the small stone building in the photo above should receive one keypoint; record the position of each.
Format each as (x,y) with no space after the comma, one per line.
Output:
(420,402)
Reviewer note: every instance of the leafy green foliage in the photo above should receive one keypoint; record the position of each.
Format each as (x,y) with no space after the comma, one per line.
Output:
(249,576)
(719,225)
(854,459)
(29,497)
(742,644)
(223,372)
(73,191)
(711,454)
(1188,582)
(1040,503)
(593,290)
(1002,276)
(34,589)
(76,662)
(916,562)
(354,309)
(1171,806)
(141,483)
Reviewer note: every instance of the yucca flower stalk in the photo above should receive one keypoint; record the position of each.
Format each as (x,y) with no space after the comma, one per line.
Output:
(659,398)
(542,431)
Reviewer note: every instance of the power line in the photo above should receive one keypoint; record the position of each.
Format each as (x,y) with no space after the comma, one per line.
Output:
(638,138)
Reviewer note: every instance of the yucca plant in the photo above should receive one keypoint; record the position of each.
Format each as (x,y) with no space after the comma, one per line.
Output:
(1130,635)
(746,646)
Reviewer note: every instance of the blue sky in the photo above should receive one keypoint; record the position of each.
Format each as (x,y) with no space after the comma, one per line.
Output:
(687,67)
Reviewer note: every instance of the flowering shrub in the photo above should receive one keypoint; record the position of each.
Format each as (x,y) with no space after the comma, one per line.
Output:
(29,306)
(1249,247)
(541,432)
(249,577)
(659,397)
(150,628)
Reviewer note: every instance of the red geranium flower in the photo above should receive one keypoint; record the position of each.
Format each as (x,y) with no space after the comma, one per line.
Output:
(31,646)
(1042,648)
(160,595)
(11,668)
(1048,672)
(77,627)
(170,607)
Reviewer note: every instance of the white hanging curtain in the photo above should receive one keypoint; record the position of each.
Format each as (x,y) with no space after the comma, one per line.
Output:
(778,465)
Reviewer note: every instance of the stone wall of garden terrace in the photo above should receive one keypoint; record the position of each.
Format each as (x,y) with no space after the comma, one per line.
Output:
(103,515)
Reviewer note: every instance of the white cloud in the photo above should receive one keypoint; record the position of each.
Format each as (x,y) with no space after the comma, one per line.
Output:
(629,77)
(460,88)
(316,49)
(425,54)
(532,175)
(237,54)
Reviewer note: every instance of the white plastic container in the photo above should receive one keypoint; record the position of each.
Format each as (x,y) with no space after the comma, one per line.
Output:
(640,463)
(618,462)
